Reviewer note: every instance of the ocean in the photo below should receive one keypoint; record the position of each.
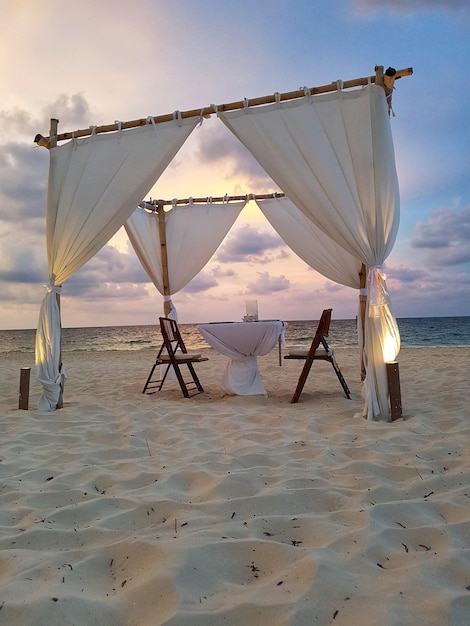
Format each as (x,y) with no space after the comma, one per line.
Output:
(414,331)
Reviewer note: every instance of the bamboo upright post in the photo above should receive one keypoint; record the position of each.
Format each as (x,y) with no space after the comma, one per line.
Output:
(379,75)
(164,256)
(54,123)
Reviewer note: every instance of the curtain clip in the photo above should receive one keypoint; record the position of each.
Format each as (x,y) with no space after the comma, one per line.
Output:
(119,125)
(151,120)
(201,118)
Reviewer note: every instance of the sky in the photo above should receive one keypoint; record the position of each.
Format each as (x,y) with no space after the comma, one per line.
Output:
(91,62)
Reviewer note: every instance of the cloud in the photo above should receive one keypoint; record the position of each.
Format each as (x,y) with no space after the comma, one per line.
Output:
(266,284)
(21,262)
(108,274)
(74,112)
(439,293)
(23,181)
(226,272)
(448,232)
(218,145)
(202,282)
(406,275)
(249,244)
(24,166)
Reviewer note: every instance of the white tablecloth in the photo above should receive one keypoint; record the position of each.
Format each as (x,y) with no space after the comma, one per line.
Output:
(243,342)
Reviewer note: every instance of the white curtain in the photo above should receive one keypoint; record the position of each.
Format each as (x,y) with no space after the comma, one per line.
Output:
(193,233)
(333,156)
(311,244)
(94,185)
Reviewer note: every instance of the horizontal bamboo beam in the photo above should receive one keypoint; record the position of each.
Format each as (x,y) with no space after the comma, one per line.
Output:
(211,109)
(152,205)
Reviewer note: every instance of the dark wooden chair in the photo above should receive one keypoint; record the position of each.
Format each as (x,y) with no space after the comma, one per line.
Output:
(315,353)
(173,354)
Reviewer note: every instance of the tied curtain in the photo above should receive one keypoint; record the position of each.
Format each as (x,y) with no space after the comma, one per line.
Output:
(94,185)
(333,157)
(193,232)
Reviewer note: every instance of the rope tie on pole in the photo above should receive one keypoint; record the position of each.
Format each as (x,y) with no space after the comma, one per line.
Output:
(377,297)
(51,288)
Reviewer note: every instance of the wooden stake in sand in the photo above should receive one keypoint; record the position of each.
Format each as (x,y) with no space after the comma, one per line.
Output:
(25,377)
(393,377)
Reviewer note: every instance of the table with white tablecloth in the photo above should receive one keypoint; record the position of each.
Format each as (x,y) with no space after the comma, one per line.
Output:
(243,342)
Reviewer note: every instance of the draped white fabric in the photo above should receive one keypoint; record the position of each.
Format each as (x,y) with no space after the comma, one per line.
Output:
(333,156)
(193,233)
(95,184)
(311,244)
(243,342)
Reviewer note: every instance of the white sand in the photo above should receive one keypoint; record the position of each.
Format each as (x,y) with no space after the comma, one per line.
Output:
(127,509)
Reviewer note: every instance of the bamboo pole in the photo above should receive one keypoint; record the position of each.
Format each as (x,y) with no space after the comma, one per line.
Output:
(152,205)
(54,123)
(164,257)
(379,75)
(231,106)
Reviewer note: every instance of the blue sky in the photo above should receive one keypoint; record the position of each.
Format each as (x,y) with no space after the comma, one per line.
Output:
(88,62)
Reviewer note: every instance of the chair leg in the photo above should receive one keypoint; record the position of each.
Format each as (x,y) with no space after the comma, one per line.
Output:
(340,377)
(149,378)
(195,377)
(179,376)
(302,379)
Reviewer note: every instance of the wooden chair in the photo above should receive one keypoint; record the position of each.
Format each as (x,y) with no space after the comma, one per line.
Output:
(173,353)
(315,354)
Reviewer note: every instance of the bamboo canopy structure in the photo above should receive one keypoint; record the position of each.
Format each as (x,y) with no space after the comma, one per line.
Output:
(386,81)
(382,79)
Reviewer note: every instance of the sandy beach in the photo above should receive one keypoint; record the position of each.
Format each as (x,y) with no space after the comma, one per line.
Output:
(125,509)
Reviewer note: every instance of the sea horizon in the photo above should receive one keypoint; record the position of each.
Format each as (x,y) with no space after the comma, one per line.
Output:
(409,317)
(414,332)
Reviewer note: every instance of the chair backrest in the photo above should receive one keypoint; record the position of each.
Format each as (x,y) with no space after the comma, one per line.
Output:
(172,340)
(323,329)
